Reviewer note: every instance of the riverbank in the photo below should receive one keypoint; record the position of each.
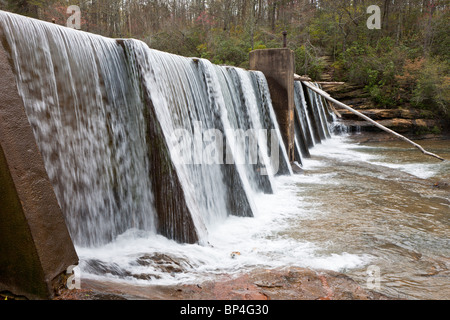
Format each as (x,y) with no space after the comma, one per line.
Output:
(368,137)
(291,283)
(406,120)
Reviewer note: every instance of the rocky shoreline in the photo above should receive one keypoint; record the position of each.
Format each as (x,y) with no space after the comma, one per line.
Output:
(290,283)
(414,123)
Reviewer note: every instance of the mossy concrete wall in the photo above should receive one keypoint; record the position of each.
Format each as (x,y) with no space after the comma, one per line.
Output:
(278,68)
(35,245)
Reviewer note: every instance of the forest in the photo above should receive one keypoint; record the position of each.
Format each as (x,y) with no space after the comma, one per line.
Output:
(404,62)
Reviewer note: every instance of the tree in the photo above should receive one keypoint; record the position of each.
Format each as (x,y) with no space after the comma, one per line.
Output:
(25,7)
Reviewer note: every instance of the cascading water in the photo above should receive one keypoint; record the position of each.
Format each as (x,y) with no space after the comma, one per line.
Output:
(253,117)
(140,143)
(140,148)
(312,121)
(88,120)
(110,118)
(317,115)
(324,116)
(304,138)
(269,121)
(303,115)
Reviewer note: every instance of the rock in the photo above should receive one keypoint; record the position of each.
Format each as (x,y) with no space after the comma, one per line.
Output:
(403,120)
(290,283)
(384,114)
(163,262)
(442,185)
(98,267)
(234,254)
(146,276)
(397,124)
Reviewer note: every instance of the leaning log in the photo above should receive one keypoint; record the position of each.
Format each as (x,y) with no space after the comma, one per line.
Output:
(301,78)
(330,83)
(340,104)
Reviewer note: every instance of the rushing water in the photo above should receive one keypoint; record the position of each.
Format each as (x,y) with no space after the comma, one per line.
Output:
(104,113)
(89,124)
(384,201)
(355,206)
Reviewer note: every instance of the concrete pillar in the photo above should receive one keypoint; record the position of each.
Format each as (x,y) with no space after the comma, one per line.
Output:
(35,245)
(278,67)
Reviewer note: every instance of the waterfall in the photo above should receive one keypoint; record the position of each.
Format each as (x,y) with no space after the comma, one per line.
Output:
(135,138)
(323,115)
(254,114)
(88,121)
(313,121)
(190,106)
(304,139)
(270,122)
(303,115)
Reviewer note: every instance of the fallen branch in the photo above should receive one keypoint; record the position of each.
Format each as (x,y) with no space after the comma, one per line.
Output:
(301,78)
(329,98)
(335,111)
(330,83)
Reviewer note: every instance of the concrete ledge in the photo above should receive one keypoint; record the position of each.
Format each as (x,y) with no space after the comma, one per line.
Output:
(35,245)
(278,68)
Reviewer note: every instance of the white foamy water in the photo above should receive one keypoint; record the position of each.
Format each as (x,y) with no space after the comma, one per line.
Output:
(345,212)
(339,149)
(420,170)
(234,246)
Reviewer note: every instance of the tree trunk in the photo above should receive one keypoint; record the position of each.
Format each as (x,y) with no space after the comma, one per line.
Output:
(273,14)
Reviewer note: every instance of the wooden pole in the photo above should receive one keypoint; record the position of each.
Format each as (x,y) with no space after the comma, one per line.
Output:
(329,98)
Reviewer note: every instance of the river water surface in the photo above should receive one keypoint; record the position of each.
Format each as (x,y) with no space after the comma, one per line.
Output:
(388,202)
(356,207)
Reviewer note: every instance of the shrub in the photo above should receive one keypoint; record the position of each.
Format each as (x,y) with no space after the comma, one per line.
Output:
(307,62)
(432,90)
(230,51)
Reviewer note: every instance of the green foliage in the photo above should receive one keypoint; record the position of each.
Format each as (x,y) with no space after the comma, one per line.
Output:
(307,62)
(440,34)
(380,96)
(202,49)
(219,47)
(435,130)
(406,62)
(258,47)
(426,130)
(377,68)
(25,7)
(230,51)
(373,65)
(432,90)
(184,43)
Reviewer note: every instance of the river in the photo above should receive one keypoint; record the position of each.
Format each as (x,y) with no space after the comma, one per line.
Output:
(356,207)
